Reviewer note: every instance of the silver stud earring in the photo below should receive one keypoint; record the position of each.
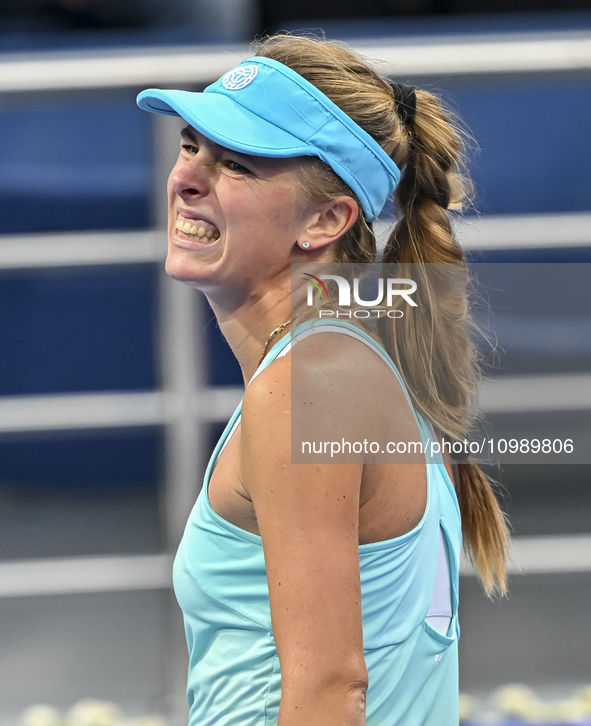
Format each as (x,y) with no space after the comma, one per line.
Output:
(305,245)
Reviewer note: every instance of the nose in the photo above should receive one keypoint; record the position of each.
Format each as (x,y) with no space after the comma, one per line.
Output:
(188,178)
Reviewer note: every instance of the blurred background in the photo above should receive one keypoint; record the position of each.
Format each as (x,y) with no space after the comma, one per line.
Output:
(115,382)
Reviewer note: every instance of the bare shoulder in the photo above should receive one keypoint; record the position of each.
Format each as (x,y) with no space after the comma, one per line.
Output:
(325,372)
(329,387)
(317,388)
(319,359)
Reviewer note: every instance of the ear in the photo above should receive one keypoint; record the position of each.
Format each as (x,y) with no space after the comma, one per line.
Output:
(330,222)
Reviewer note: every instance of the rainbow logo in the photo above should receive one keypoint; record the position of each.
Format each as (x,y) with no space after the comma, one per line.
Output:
(317,282)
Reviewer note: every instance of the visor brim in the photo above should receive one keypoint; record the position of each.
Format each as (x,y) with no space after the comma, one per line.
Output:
(225,122)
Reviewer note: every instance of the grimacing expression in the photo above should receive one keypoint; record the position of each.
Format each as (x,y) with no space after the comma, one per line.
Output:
(229,213)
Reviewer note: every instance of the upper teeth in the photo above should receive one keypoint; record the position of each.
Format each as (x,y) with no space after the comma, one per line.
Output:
(197,227)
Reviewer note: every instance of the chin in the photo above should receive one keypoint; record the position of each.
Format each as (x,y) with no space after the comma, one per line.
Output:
(183,270)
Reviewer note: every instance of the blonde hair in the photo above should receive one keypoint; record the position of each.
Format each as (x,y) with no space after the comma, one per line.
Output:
(439,363)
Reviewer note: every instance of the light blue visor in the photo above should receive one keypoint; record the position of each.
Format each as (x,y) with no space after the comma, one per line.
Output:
(264,108)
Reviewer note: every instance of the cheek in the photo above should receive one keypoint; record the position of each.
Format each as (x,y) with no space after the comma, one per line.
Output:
(276,211)
(267,225)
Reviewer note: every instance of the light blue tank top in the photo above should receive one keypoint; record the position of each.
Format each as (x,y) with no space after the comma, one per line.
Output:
(221,585)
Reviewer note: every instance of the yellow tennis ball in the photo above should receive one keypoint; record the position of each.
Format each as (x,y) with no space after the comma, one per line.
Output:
(583,696)
(519,702)
(89,712)
(41,715)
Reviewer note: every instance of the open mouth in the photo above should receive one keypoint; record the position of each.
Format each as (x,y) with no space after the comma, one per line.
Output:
(196,229)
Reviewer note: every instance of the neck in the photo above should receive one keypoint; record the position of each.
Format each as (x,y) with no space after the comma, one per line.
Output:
(247,324)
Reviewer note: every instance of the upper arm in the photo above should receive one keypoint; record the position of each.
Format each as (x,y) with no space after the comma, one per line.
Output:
(308,518)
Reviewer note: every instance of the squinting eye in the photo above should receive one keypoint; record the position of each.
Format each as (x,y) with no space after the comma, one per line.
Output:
(235,166)
(189,148)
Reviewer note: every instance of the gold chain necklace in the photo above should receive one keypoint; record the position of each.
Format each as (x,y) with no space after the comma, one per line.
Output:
(277,330)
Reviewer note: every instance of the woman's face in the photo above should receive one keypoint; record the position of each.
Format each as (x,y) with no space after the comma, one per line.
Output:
(233,219)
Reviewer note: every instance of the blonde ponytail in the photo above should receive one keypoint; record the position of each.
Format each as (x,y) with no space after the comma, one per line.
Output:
(484,527)
(442,367)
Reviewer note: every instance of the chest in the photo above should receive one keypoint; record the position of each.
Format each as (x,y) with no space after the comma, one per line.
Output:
(392,499)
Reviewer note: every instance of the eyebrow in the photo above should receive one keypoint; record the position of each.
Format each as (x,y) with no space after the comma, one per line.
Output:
(189,133)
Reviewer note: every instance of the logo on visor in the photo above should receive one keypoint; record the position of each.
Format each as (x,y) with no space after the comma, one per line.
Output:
(239,78)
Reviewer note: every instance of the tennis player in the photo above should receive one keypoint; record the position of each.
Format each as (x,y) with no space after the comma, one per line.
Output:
(325,594)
